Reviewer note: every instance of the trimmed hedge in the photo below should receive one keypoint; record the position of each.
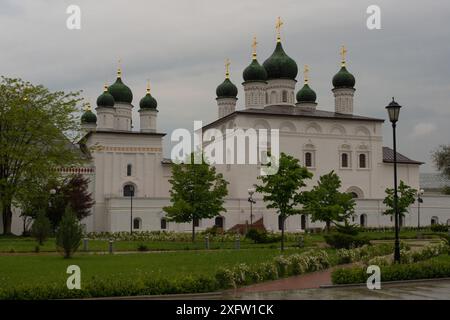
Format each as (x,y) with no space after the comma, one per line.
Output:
(340,240)
(420,270)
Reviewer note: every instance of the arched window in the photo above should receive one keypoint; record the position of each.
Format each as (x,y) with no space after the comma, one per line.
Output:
(363,220)
(218,222)
(129,169)
(344,160)
(196,222)
(303,222)
(163,224)
(434,220)
(137,222)
(273,97)
(128,190)
(308,159)
(280,222)
(362,161)
(354,195)
(285,96)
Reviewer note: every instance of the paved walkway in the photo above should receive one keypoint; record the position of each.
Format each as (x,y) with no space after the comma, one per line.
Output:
(426,290)
(305,281)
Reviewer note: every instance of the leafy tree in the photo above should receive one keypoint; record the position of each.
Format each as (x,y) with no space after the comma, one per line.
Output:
(71,191)
(69,234)
(441,159)
(37,129)
(197,192)
(406,197)
(41,228)
(326,203)
(281,191)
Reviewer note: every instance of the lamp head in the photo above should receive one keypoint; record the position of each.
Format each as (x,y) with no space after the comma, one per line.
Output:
(393,110)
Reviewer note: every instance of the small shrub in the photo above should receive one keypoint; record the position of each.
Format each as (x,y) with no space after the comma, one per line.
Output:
(446,190)
(142,247)
(341,240)
(261,236)
(41,228)
(350,229)
(69,234)
(438,227)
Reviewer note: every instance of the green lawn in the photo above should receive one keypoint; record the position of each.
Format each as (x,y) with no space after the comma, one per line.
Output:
(16,270)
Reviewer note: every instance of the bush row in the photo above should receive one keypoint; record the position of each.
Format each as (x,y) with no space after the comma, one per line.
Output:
(295,264)
(421,270)
(401,271)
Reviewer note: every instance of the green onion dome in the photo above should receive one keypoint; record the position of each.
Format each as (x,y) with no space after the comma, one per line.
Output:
(88,117)
(306,94)
(120,91)
(226,89)
(343,79)
(148,102)
(279,65)
(105,99)
(254,72)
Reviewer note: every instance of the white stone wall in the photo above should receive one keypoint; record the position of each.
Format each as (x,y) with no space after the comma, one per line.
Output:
(280,92)
(343,100)
(226,106)
(255,94)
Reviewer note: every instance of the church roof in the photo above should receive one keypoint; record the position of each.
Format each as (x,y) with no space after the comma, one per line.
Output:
(292,111)
(388,156)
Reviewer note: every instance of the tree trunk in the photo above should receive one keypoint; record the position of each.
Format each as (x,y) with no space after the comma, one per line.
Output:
(193,230)
(283,219)
(7,218)
(328,226)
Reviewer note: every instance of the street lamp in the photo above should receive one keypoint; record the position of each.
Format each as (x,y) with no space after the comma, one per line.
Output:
(251,191)
(131,195)
(419,201)
(393,110)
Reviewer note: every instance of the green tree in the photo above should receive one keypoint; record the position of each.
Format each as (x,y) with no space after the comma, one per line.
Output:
(197,192)
(37,132)
(41,228)
(441,160)
(326,203)
(69,234)
(281,191)
(406,197)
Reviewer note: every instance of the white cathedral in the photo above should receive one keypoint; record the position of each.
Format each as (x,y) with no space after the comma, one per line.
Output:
(129,176)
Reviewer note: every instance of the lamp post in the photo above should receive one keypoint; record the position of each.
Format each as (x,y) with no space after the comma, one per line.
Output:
(131,195)
(393,110)
(251,191)
(419,201)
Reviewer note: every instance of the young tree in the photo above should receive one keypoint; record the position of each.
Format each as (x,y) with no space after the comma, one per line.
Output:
(197,192)
(41,227)
(69,234)
(406,197)
(37,129)
(281,191)
(441,159)
(326,203)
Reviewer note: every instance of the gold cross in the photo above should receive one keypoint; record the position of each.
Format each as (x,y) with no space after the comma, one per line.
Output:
(148,86)
(305,73)
(278,27)
(343,53)
(254,44)
(227,68)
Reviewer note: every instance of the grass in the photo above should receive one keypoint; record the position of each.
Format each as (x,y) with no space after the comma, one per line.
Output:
(30,270)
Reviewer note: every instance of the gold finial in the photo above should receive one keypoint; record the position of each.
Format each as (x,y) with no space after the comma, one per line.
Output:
(278,27)
(119,69)
(254,44)
(343,53)
(306,73)
(105,87)
(148,86)
(227,68)
(87,107)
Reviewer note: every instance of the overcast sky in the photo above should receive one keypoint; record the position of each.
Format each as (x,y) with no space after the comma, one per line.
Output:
(181,46)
